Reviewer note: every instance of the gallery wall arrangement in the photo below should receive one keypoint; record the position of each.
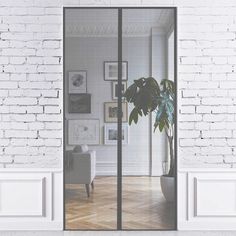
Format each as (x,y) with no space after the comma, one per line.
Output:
(79,102)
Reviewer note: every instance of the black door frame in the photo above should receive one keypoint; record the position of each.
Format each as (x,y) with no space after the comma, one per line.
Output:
(119,122)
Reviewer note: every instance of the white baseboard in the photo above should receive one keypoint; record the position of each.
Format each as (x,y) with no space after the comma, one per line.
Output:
(28,225)
(130,168)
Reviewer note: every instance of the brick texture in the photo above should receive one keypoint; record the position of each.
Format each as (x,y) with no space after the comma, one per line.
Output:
(31,80)
(207,82)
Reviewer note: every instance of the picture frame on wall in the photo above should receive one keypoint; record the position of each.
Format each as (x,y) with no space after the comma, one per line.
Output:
(79,103)
(111,111)
(83,132)
(111,137)
(111,70)
(77,81)
(115,89)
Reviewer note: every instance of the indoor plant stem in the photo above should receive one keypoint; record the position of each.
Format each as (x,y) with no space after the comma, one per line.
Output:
(169,134)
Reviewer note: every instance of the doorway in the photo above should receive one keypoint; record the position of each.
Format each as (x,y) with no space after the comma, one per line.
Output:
(113,163)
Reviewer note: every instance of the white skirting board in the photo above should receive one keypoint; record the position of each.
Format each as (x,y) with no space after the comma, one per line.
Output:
(31,199)
(207,199)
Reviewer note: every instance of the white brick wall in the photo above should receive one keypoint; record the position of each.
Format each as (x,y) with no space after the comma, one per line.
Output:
(31,79)
(207,49)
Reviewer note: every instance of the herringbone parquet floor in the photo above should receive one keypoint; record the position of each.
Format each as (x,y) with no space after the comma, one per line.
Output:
(144,206)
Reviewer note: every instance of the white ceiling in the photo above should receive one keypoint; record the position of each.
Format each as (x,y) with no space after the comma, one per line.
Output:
(89,22)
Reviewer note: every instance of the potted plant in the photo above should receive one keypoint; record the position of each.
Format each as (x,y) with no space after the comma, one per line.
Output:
(148,96)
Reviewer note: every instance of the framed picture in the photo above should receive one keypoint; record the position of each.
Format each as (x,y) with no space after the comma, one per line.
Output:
(111,70)
(77,81)
(83,132)
(115,89)
(79,103)
(110,134)
(111,111)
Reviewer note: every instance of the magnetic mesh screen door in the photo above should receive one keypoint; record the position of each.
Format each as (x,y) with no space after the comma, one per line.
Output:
(119,66)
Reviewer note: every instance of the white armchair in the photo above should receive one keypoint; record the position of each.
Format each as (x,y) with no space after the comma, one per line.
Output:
(81,167)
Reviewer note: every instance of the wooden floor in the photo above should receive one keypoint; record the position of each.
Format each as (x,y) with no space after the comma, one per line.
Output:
(144,206)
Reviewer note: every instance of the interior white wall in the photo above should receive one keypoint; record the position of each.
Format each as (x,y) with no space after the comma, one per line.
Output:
(159,68)
(170,53)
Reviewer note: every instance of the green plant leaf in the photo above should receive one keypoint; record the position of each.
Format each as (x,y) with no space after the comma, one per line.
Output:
(130,93)
(147,96)
(143,95)
(133,116)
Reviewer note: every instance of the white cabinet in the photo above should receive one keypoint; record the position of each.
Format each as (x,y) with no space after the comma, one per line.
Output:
(31,199)
(207,199)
